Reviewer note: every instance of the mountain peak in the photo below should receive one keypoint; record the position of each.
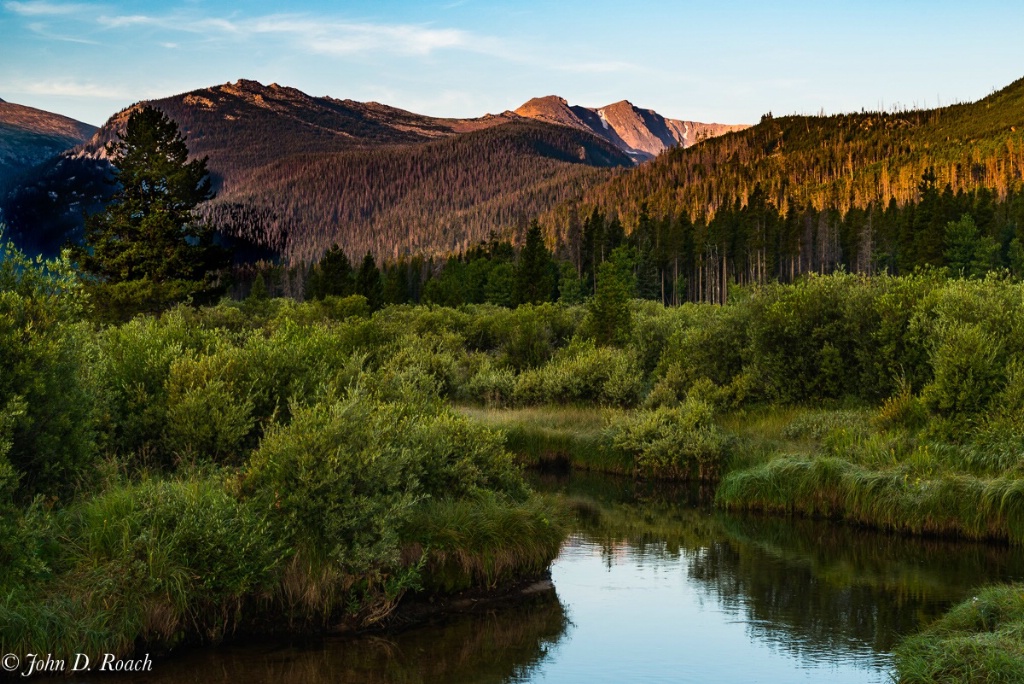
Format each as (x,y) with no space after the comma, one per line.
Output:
(620,104)
(640,133)
(551,109)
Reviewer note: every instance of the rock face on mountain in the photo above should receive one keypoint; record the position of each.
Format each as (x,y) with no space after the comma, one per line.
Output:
(29,136)
(641,133)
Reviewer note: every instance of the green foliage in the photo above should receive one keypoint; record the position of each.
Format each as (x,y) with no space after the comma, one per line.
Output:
(968,253)
(751,192)
(149,232)
(332,276)
(555,435)
(487,540)
(535,272)
(347,475)
(47,418)
(368,283)
(152,562)
(611,319)
(259,288)
(967,371)
(571,289)
(208,416)
(583,373)
(680,442)
(978,641)
(134,365)
(501,285)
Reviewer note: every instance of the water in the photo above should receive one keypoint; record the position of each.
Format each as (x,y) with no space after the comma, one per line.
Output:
(652,590)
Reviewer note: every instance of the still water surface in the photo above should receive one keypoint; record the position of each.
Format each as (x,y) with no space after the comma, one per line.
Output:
(653,587)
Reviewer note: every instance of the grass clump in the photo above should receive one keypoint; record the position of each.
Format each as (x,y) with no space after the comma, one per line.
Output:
(485,541)
(558,436)
(980,641)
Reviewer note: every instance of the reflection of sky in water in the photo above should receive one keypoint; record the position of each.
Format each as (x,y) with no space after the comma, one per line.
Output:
(694,596)
(640,618)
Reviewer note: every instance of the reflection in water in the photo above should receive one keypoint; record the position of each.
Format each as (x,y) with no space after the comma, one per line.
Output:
(657,586)
(819,597)
(502,644)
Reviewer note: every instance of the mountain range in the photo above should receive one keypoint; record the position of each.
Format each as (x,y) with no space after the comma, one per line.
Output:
(30,136)
(296,173)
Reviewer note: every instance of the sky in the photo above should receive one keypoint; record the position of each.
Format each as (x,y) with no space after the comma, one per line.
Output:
(725,62)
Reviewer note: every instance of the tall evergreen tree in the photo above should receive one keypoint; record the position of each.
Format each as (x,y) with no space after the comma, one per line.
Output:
(368,282)
(332,276)
(149,231)
(535,275)
(611,318)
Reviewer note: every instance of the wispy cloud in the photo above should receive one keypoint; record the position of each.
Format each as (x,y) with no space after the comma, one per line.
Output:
(42,8)
(44,30)
(172,22)
(347,38)
(315,34)
(69,88)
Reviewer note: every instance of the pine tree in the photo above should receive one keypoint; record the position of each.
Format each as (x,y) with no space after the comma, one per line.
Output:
(368,282)
(148,232)
(333,275)
(535,275)
(611,319)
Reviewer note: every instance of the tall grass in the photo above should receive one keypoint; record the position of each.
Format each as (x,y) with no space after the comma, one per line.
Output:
(897,499)
(980,641)
(486,541)
(558,435)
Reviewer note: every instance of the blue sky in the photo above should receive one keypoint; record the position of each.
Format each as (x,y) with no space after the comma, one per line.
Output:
(709,61)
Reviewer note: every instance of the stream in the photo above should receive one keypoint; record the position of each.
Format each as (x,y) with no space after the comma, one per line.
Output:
(656,586)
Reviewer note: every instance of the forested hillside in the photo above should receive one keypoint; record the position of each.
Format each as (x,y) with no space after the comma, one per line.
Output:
(840,162)
(297,174)
(865,192)
(437,198)
(28,136)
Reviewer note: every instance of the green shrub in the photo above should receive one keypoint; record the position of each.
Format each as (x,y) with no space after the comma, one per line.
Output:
(207,417)
(680,442)
(346,474)
(153,562)
(490,385)
(47,386)
(485,540)
(583,372)
(967,372)
(134,365)
(439,357)
(708,345)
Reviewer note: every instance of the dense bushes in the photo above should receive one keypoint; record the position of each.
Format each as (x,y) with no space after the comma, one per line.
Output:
(346,475)
(220,469)
(47,382)
(217,468)
(680,442)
